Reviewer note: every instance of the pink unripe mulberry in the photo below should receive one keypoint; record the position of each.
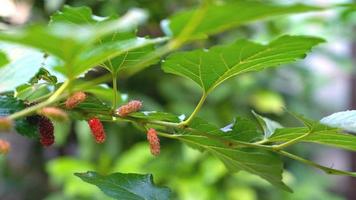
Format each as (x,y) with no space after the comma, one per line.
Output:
(5,124)
(97,129)
(54,113)
(4,146)
(46,130)
(130,107)
(153,140)
(75,99)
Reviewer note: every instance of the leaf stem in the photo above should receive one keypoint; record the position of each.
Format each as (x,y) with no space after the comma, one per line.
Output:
(55,97)
(114,85)
(311,163)
(291,142)
(195,112)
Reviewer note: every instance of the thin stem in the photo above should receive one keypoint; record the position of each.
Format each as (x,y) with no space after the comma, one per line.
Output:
(55,97)
(58,92)
(196,110)
(311,163)
(114,85)
(291,142)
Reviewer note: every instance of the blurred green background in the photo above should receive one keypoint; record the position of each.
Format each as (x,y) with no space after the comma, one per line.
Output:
(319,85)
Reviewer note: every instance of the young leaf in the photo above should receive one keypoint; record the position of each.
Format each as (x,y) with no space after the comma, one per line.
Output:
(222,16)
(345,120)
(209,68)
(328,136)
(155,115)
(75,15)
(126,186)
(264,164)
(268,126)
(3,59)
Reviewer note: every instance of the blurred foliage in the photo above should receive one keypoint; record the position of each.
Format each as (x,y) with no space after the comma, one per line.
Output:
(193,175)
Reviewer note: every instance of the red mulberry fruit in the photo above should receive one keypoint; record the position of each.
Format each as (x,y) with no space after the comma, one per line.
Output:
(153,139)
(132,106)
(4,146)
(97,129)
(75,99)
(46,130)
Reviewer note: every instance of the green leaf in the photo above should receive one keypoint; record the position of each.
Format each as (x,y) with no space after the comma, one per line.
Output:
(126,186)
(44,75)
(262,163)
(21,68)
(328,136)
(116,51)
(91,107)
(75,15)
(209,68)
(316,133)
(268,126)
(244,129)
(23,126)
(223,16)
(345,120)
(27,92)
(156,115)
(3,59)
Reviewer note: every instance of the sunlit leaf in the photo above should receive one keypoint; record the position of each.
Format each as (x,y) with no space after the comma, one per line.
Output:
(345,120)
(209,68)
(223,15)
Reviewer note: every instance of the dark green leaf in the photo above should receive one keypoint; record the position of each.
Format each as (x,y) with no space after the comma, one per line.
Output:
(222,16)
(209,68)
(126,186)
(45,75)
(23,126)
(264,164)
(244,130)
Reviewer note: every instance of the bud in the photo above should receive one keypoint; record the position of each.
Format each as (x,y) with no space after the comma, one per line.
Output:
(46,130)
(4,146)
(5,124)
(132,106)
(153,139)
(54,113)
(75,99)
(97,129)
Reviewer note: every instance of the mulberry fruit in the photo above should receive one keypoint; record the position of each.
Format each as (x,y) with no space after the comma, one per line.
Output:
(153,140)
(4,146)
(75,99)
(54,113)
(5,124)
(130,107)
(97,129)
(46,130)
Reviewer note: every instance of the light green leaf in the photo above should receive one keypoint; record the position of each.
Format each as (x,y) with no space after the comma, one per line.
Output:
(209,68)
(155,115)
(126,186)
(3,59)
(328,136)
(75,15)
(268,126)
(264,164)
(223,16)
(345,120)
